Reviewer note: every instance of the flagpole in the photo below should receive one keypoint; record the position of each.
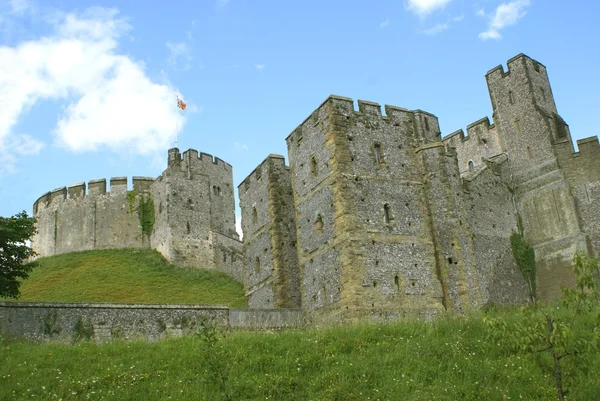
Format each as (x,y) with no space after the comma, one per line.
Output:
(177,133)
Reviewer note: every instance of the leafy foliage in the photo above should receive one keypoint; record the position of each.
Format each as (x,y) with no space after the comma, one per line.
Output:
(144,209)
(570,330)
(524,256)
(213,353)
(146,215)
(14,233)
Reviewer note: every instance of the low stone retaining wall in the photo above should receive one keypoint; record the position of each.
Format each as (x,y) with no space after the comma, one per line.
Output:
(265,319)
(62,322)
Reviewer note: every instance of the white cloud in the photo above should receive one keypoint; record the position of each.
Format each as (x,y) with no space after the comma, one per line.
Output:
(458,18)
(17,145)
(425,7)
(506,14)
(436,29)
(259,66)
(180,55)
(384,23)
(112,104)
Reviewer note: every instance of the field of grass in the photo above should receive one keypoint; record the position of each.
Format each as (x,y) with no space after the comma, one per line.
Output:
(127,276)
(451,359)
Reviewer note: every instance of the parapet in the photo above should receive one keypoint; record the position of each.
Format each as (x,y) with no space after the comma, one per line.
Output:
(257,173)
(483,124)
(344,106)
(118,186)
(142,184)
(191,157)
(498,71)
(589,145)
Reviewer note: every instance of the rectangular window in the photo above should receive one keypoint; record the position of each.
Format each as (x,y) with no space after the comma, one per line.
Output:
(378,154)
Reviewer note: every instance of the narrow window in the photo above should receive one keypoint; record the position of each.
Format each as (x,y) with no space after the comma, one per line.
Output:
(378,154)
(219,191)
(257,265)
(254,215)
(189,228)
(224,256)
(319,224)
(543,94)
(214,189)
(397,282)
(518,127)
(471,165)
(386,213)
(511,99)
(313,167)
(426,124)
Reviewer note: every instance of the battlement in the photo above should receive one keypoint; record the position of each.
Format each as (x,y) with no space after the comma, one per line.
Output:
(259,171)
(345,106)
(511,64)
(192,156)
(98,187)
(481,125)
(589,145)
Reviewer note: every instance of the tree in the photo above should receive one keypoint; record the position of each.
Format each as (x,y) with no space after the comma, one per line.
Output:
(15,232)
(571,331)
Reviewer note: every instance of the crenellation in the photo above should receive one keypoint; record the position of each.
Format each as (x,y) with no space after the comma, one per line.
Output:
(589,145)
(118,185)
(76,191)
(369,108)
(97,187)
(58,193)
(142,184)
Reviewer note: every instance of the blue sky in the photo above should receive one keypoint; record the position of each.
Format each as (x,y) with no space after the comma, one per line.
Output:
(88,88)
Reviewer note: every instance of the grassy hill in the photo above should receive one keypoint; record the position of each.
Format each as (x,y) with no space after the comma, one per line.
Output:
(451,359)
(127,276)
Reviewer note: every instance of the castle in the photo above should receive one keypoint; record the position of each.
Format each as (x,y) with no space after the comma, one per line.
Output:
(376,217)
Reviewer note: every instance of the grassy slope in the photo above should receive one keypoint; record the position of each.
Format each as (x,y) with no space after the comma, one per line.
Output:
(447,360)
(128,276)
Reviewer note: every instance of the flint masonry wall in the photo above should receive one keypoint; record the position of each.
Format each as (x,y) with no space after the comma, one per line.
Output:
(57,322)
(491,219)
(542,167)
(482,141)
(364,231)
(269,224)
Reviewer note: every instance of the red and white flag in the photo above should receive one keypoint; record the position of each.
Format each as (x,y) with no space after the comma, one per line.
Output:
(181,104)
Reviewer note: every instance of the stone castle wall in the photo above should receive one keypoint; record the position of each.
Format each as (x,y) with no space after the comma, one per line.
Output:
(377,216)
(193,212)
(74,219)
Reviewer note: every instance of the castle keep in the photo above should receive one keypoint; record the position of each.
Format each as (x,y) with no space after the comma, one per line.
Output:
(376,217)
(187,214)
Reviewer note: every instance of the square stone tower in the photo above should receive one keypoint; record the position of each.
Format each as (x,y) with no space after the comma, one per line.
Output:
(380,221)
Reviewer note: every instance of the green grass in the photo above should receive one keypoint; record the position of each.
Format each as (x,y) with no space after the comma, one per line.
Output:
(452,359)
(127,276)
